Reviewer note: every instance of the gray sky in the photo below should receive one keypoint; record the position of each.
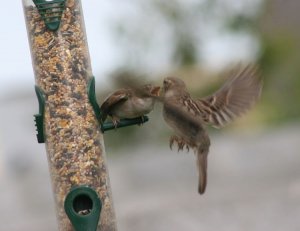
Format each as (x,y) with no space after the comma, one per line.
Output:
(15,61)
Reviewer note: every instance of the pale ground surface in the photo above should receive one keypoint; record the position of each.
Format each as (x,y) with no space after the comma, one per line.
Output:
(253,184)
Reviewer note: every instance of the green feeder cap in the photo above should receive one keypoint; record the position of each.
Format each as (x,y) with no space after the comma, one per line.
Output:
(51,12)
(83,207)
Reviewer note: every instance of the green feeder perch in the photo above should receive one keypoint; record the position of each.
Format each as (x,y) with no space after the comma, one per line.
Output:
(124,123)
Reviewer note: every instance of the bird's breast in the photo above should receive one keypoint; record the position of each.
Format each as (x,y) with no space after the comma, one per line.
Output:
(182,123)
(134,107)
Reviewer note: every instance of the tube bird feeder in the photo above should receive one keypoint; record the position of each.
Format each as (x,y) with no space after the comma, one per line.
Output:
(68,116)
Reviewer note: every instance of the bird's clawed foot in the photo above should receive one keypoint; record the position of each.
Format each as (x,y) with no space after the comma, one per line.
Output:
(181,143)
(115,121)
(143,121)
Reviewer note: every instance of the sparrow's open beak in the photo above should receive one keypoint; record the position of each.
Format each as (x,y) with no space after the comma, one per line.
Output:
(155,91)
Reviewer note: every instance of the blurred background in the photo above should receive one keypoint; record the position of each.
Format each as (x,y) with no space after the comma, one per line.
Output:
(253,172)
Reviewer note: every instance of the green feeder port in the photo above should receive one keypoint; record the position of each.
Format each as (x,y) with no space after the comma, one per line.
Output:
(83,207)
(51,12)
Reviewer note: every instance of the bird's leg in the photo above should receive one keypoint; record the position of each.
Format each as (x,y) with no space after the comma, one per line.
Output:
(115,120)
(172,139)
(181,143)
(142,119)
(187,147)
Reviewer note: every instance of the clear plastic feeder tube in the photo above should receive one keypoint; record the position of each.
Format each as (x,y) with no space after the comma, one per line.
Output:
(74,142)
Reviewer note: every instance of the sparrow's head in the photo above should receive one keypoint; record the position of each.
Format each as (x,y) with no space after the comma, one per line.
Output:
(149,90)
(173,86)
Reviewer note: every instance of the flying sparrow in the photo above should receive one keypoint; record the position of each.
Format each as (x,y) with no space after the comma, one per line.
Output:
(187,116)
(129,103)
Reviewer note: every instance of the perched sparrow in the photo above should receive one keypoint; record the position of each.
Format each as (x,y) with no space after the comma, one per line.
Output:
(186,116)
(129,103)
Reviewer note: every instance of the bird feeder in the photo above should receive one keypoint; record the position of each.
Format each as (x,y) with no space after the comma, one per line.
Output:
(68,118)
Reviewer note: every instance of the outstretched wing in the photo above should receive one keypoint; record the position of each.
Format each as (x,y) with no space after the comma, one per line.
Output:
(111,101)
(235,97)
